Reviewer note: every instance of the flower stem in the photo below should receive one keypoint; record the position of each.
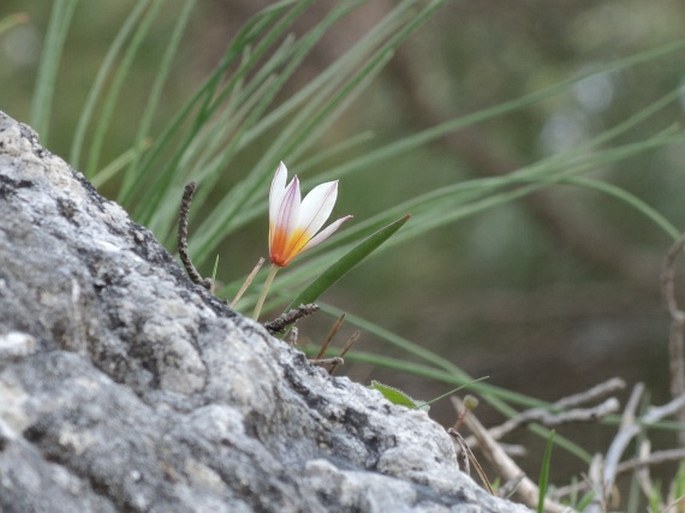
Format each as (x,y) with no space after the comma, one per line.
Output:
(248,282)
(265,290)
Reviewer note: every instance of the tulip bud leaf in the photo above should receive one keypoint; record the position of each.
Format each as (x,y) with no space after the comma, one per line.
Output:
(347,262)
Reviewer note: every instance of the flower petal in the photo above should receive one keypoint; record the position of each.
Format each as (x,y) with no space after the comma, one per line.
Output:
(277,191)
(317,207)
(285,223)
(326,232)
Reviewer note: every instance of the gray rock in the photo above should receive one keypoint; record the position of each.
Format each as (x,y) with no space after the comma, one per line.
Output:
(126,388)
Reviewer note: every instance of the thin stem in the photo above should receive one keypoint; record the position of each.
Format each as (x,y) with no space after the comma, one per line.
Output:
(265,290)
(247,282)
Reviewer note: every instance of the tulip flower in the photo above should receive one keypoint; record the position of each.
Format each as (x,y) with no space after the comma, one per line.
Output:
(295,223)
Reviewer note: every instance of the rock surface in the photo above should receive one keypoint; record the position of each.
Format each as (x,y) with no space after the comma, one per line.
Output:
(126,388)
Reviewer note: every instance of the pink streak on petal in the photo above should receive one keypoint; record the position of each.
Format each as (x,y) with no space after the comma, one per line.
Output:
(286,218)
(277,191)
(326,232)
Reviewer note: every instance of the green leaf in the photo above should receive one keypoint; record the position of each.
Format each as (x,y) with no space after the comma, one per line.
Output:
(396,396)
(41,102)
(101,80)
(347,262)
(543,482)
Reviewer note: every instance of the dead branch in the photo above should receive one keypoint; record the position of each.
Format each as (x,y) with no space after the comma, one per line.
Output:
(292,316)
(527,491)
(642,473)
(628,430)
(182,240)
(329,338)
(548,418)
(677,332)
(651,460)
(470,458)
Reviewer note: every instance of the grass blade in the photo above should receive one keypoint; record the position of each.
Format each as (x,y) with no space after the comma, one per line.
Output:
(118,80)
(631,200)
(118,164)
(100,79)
(156,89)
(347,262)
(208,102)
(41,102)
(543,482)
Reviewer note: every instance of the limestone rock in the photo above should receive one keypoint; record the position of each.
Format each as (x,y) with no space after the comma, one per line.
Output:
(126,388)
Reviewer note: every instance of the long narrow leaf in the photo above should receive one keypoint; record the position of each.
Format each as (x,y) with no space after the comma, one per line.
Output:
(156,89)
(372,159)
(41,102)
(110,102)
(100,80)
(208,106)
(347,262)
(543,482)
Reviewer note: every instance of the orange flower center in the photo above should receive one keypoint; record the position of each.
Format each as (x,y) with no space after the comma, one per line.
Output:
(286,246)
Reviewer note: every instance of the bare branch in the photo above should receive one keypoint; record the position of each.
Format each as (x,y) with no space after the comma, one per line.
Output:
(549,419)
(677,332)
(628,430)
(283,321)
(642,472)
(653,459)
(508,470)
(327,363)
(182,240)
(346,347)
(333,331)
(598,391)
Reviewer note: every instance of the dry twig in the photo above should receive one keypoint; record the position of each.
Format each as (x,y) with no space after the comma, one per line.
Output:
(346,347)
(331,334)
(642,472)
(651,460)
(284,320)
(630,428)
(507,469)
(248,281)
(509,487)
(470,458)
(550,419)
(677,334)
(327,363)
(182,240)
(594,478)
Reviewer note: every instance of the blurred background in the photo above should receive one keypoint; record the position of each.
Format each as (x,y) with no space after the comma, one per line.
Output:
(547,296)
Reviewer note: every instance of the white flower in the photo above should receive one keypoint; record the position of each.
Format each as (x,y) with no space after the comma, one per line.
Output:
(293,222)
